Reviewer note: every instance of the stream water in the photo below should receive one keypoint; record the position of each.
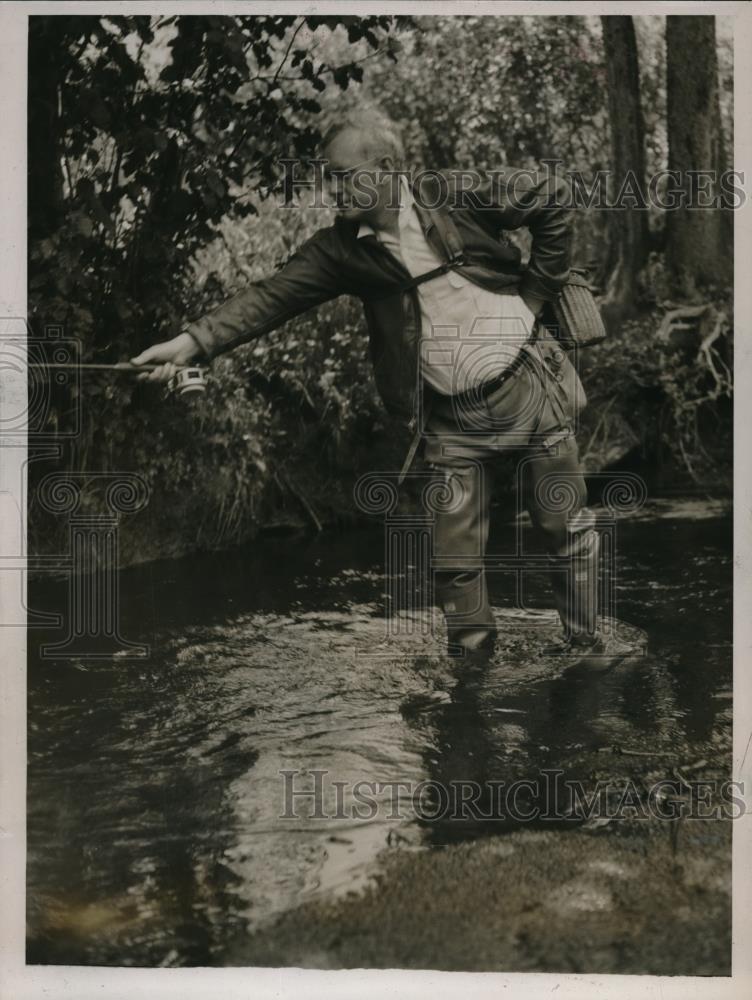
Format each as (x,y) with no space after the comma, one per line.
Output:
(159,813)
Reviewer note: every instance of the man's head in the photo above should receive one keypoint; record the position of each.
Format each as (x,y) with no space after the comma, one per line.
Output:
(363,151)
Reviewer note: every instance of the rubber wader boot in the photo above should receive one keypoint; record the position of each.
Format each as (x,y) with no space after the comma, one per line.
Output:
(470,623)
(575,583)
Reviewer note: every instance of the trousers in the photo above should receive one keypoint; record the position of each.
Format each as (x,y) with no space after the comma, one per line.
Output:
(533,414)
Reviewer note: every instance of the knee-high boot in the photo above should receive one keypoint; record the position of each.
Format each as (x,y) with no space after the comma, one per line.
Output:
(460,505)
(463,597)
(575,578)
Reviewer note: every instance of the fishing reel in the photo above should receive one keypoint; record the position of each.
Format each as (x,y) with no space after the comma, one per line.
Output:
(187,381)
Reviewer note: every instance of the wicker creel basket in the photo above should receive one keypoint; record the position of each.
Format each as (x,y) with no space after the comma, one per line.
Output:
(574,318)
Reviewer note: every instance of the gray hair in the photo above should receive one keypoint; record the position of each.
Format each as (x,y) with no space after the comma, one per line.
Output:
(381,137)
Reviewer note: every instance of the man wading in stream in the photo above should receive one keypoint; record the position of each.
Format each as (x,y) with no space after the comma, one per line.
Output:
(459,353)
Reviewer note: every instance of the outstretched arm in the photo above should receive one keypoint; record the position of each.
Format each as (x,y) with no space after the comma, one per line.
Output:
(312,276)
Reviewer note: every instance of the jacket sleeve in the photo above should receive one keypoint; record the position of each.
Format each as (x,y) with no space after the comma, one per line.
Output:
(311,276)
(542,203)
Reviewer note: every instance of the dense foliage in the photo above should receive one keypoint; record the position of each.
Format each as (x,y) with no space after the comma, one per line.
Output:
(153,194)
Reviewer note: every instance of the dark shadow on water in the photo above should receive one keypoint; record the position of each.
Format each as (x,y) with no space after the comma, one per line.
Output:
(524,748)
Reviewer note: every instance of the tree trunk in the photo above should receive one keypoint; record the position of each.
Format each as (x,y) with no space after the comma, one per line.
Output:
(699,242)
(628,226)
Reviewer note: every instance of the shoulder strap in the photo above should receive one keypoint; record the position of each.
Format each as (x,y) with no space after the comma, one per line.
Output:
(448,234)
(453,252)
(406,286)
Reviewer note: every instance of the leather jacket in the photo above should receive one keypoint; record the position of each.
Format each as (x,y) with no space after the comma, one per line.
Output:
(335,262)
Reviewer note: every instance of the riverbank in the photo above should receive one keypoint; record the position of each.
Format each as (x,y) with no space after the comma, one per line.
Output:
(630,901)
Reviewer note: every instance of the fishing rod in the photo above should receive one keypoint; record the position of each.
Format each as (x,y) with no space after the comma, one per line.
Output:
(186,380)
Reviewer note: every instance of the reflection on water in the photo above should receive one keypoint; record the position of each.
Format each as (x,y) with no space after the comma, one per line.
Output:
(156,800)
